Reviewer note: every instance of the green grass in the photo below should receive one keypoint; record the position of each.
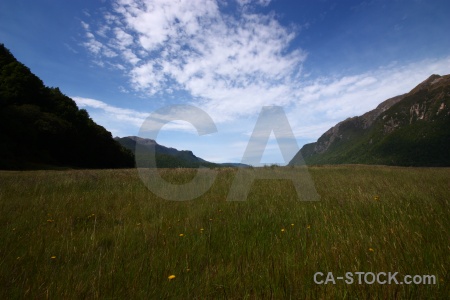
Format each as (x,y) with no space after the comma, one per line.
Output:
(112,238)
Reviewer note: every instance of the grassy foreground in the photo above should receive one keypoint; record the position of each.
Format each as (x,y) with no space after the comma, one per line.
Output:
(101,234)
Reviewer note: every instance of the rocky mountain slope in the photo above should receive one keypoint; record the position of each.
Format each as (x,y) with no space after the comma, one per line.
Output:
(412,129)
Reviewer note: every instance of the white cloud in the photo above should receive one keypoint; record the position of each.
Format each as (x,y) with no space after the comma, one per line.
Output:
(115,114)
(327,101)
(85,25)
(231,64)
(321,103)
(248,2)
(123,39)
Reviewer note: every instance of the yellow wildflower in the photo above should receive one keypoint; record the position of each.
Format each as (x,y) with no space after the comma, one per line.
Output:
(371,249)
(282,230)
(171,277)
(181,234)
(292,224)
(53,257)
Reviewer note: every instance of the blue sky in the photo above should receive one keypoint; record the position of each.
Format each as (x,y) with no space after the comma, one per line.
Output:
(322,61)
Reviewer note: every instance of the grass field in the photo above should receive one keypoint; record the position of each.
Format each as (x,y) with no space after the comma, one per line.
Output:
(101,234)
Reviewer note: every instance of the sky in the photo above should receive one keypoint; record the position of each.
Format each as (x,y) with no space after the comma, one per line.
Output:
(321,61)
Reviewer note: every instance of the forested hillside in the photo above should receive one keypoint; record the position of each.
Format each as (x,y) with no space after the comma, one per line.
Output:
(40,127)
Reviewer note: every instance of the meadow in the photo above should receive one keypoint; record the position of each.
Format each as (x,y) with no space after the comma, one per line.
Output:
(88,234)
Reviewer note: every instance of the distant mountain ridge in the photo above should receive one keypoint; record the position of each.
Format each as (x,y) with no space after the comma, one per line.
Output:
(412,129)
(167,157)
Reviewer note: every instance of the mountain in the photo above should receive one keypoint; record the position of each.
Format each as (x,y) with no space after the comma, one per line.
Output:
(168,157)
(412,129)
(165,157)
(40,127)
(235,165)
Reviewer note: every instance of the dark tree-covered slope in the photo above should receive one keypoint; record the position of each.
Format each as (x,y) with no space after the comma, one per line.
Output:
(408,130)
(40,127)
